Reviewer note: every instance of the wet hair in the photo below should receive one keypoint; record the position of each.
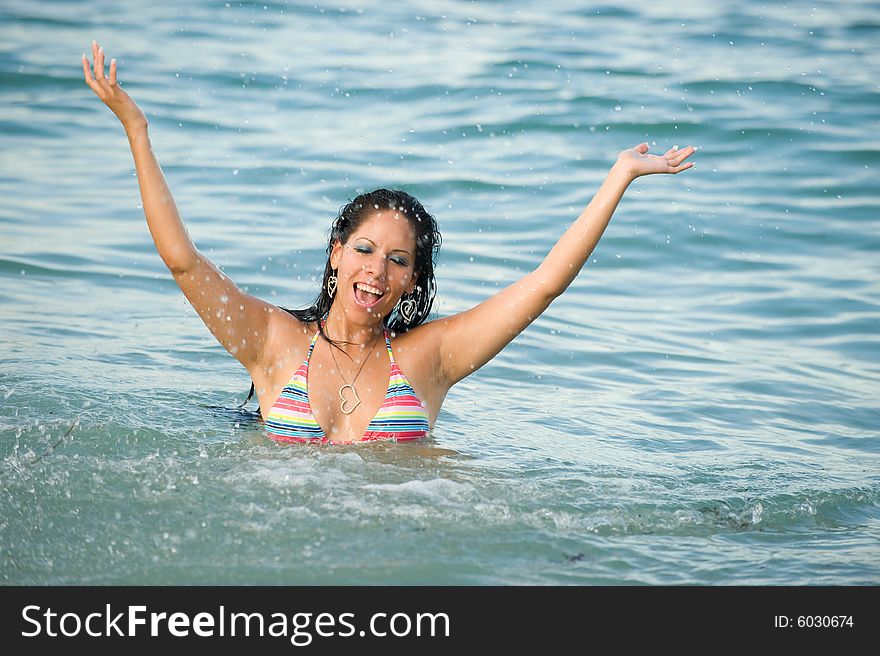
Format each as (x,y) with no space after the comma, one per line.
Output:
(428,239)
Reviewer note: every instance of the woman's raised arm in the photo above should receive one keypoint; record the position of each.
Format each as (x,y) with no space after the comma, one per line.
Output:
(467,341)
(240,322)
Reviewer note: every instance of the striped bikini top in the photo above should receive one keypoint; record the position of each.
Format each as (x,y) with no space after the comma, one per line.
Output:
(401,417)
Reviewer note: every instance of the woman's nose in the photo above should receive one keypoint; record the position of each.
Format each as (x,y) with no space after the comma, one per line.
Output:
(376,266)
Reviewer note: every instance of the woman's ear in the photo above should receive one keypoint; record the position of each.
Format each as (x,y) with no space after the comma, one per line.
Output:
(335,254)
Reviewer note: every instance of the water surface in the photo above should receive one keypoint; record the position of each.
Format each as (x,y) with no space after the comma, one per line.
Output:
(700,407)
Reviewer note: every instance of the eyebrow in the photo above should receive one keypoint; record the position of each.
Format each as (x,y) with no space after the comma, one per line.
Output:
(396,250)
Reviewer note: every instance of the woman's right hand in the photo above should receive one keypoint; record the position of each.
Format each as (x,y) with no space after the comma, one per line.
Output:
(109,91)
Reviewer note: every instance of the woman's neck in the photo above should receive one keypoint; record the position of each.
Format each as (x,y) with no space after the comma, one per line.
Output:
(341,328)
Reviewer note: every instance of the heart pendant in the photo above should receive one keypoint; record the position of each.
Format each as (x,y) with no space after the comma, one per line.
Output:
(408,309)
(331,286)
(356,400)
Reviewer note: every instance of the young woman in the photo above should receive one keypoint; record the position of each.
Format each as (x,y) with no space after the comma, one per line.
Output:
(362,363)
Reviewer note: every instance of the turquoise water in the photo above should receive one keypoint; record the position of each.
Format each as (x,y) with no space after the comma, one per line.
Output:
(701,406)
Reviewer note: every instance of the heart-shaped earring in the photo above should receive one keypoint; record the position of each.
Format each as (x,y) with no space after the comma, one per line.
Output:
(331,285)
(407,309)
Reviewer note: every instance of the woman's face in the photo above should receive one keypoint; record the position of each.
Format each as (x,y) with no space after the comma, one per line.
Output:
(375,267)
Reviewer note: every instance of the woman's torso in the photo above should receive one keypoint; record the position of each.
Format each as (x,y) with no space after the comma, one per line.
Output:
(290,349)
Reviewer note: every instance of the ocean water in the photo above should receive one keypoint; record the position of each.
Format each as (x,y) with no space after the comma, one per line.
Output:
(700,407)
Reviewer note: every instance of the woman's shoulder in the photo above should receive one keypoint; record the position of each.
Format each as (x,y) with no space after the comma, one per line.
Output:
(288,334)
(421,343)
(425,333)
(416,334)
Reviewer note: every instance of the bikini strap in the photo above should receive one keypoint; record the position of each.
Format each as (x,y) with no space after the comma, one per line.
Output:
(388,345)
(312,345)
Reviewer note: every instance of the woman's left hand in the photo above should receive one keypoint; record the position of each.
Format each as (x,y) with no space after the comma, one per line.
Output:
(637,161)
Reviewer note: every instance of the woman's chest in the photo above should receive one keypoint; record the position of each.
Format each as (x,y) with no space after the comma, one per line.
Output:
(345,398)
(342,398)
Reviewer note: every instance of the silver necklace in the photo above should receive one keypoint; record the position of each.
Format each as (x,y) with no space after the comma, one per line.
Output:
(356,401)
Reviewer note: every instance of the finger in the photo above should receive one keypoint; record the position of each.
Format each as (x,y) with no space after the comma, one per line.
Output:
(99,64)
(86,70)
(682,167)
(642,148)
(681,155)
(671,152)
(112,72)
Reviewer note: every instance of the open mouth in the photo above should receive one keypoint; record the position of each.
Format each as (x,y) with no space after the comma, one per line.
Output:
(366,295)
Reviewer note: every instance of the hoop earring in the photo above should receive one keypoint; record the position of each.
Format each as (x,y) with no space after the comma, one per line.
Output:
(331,285)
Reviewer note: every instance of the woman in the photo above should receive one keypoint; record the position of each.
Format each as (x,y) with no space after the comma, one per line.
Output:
(329,373)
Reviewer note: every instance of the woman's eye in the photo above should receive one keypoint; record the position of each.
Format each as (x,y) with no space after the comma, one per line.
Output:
(366,250)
